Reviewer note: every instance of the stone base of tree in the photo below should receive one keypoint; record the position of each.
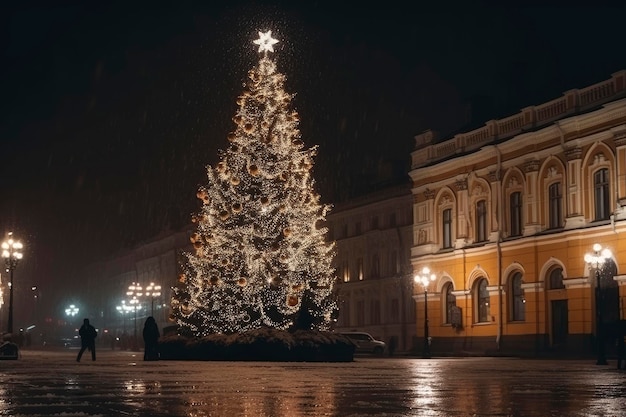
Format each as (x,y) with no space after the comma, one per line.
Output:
(260,345)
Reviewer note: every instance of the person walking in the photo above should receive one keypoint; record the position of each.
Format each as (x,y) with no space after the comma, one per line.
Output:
(88,336)
(151,340)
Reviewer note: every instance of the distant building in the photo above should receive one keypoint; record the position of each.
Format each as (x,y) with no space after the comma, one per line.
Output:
(156,261)
(504,214)
(373,235)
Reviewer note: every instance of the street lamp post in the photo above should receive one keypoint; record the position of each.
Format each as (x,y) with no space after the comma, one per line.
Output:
(153,290)
(12,255)
(596,261)
(424,278)
(135,291)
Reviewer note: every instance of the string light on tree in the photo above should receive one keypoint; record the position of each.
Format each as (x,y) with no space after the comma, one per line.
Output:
(260,255)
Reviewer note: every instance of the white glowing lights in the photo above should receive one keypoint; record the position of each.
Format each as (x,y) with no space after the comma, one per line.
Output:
(260,256)
(266,42)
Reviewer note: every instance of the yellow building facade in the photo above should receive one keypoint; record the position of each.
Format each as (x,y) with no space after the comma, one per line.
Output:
(503,218)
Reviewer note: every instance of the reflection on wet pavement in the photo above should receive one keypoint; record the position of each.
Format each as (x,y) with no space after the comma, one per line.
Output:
(119,384)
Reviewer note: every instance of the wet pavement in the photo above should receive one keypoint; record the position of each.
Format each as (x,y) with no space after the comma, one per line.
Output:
(52,383)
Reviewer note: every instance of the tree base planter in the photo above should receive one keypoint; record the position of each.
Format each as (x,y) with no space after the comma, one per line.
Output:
(260,345)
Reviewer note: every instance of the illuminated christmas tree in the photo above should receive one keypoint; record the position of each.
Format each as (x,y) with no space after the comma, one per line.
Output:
(261,258)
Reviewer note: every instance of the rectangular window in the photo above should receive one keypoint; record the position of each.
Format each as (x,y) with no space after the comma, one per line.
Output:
(359,267)
(447,228)
(481,221)
(392,220)
(393,263)
(375,223)
(394,314)
(375,270)
(360,313)
(516,213)
(345,313)
(555,206)
(601,193)
(357,228)
(375,312)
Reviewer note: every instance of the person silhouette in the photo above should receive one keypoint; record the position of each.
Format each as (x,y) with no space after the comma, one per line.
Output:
(151,340)
(87,340)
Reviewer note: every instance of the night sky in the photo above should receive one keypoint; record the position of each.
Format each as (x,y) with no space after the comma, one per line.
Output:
(111,112)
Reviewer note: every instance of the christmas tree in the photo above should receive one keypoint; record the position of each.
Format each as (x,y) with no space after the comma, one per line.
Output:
(261,258)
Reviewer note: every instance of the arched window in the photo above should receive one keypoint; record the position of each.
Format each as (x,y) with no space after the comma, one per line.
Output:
(481,221)
(450,303)
(481,297)
(556,279)
(515,206)
(517,300)
(447,228)
(601,193)
(555,205)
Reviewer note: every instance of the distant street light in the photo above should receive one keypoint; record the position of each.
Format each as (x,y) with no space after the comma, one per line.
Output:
(124,309)
(596,261)
(424,278)
(153,290)
(71,312)
(12,255)
(135,291)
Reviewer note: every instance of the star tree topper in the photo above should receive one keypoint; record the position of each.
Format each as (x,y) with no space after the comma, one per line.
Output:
(266,42)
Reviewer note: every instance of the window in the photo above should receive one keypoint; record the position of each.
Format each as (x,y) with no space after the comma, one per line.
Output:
(555,203)
(375,272)
(357,228)
(481,295)
(556,279)
(374,223)
(392,220)
(447,228)
(601,193)
(395,310)
(359,268)
(345,312)
(393,263)
(518,302)
(375,312)
(481,221)
(515,203)
(450,303)
(360,313)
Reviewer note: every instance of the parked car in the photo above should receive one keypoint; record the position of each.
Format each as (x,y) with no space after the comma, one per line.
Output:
(365,343)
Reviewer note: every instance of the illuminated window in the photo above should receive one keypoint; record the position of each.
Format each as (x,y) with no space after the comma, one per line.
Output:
(515,201)
(601,194)
(518,302)
(359,268)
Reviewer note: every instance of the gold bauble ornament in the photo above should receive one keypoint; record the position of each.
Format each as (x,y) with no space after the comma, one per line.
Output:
(292,300)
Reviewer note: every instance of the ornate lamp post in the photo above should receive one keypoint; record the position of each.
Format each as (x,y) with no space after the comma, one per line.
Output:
(12,255)
(135,291)
(153,290)
(596,261)
(424,278)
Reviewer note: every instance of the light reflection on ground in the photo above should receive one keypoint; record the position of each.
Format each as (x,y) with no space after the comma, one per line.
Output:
(49,383)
